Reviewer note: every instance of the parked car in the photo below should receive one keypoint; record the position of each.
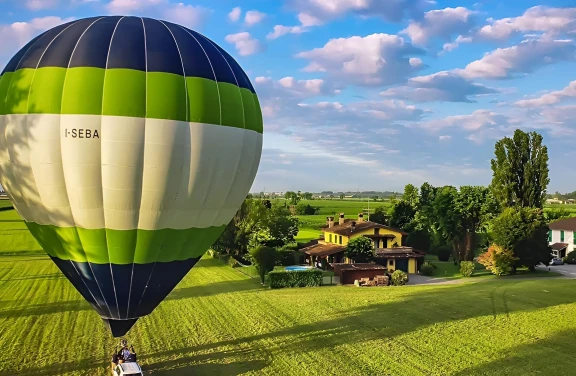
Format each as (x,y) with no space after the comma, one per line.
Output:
(556,261)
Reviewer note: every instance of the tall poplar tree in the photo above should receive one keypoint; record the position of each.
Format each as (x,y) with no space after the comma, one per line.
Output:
(520,170)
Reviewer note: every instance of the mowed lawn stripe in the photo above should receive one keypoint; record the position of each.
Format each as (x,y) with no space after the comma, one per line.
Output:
(219,321)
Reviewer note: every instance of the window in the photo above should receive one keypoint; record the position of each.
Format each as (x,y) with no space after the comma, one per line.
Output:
(340,239)
(376,231)
(561,235)
(550,236)
(574,237)
(329,238)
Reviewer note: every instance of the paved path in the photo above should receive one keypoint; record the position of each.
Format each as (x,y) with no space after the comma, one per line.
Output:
(567,271)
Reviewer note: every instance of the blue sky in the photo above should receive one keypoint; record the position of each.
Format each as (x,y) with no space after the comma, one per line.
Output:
(372,95)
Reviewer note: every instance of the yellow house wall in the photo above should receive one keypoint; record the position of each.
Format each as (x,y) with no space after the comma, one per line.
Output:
(334,237)
(412,266)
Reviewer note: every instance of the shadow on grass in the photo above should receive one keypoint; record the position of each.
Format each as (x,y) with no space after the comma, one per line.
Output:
(385,320)
(45,309)
(47,277)
(222,287)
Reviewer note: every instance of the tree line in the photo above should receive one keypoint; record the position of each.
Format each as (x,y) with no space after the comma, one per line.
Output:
(507,216)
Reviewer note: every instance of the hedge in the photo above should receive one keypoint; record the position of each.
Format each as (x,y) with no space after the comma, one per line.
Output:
(296,278)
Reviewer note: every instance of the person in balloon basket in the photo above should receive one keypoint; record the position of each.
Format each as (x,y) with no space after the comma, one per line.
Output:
(124,355)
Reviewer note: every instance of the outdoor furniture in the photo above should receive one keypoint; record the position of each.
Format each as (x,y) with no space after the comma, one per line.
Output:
(381,280)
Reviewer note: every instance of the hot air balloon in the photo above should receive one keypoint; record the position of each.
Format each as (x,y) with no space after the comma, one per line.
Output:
(127,144)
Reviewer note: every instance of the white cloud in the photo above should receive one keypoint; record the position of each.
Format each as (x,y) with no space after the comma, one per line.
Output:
(35,5)
(457,42)
(445,138)
(390,10)
(235,14)
(180,13)
(477,120)
(291,88)
(441,24)
(441,86)
(377,59)
(536,19)
(253,17)
(280,30)
(187,15)
(523,58)
(550,98)
(244,43)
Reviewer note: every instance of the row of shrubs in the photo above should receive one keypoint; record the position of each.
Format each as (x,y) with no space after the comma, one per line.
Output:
(303,278)
(466,268)
(570,258)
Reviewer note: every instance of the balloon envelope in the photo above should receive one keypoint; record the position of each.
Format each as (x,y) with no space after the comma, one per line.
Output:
(126,144)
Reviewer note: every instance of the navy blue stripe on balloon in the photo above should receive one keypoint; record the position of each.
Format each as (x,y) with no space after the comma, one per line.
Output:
(128,48)
(92,48)
(60,50)
(32,56)
(194,58)
(123,292)
(163,279)
(136,43)
(161,50)
(13,63)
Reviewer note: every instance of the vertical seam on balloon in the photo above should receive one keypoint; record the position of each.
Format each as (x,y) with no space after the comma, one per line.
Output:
(145,119)
(103,209)
(135,312)
(75,226)
(243,132)
(220,106)
(183,69)
(213,71)
(187,113)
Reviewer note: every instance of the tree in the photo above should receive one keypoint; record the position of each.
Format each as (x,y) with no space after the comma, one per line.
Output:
(469,204)
(374,198)
(520,170)
(360,249)
(264,259)
(420,240)
(447,218)
(523,231)
(307,196)
(401,215)
(307,209)
(341,196)
(379,216)
(281,225)
(498,260)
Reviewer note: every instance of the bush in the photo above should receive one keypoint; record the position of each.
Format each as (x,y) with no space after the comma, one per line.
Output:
(303,278)
(498,260)
(443,252)
(307,209)
(427,269)
(467,268)
(264,259)
(213,253)
(399,278)
(570,258)
(232,262)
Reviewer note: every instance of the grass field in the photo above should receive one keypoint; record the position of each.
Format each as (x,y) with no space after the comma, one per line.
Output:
(220,322)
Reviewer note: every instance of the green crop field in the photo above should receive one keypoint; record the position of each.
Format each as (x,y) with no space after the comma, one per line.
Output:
(218,321)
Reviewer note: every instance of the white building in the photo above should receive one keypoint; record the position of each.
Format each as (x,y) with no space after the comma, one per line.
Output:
(562,236)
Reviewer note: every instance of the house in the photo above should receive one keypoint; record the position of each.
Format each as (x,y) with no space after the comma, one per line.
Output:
(562,236)
(554,201)
(387,242)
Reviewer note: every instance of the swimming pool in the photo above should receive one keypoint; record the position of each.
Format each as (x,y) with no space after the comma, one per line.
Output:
(298,268)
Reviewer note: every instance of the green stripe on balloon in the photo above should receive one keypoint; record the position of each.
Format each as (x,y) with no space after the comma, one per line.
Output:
(125,92)
(101,246)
